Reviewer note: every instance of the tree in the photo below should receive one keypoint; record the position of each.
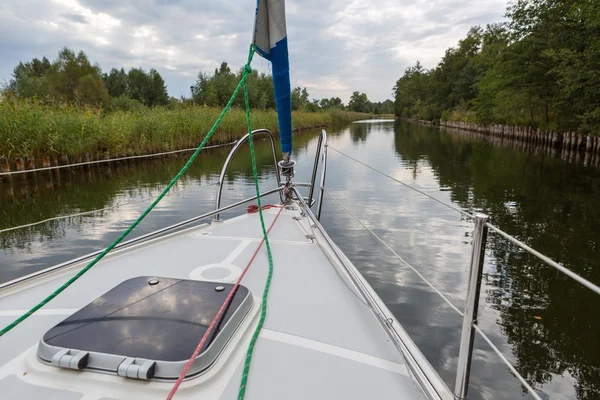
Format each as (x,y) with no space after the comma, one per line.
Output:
(30,79)
(299,98)
(215,89)
(116,82)
(147,88)
(359,102)
(538,69)
(158,90)
(386,107)
(336,102)
(72,78)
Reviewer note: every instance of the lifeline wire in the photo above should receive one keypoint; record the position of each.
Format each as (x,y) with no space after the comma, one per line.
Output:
(500,232)
(396,254)
(460,210)
(483,335)
(26,171)
(86,212)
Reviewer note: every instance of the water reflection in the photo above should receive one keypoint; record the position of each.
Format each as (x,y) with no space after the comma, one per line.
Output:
(546,317)
(359,132)
(543,322)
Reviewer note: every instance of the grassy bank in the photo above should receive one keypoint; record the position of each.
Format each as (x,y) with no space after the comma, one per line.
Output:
(32,129)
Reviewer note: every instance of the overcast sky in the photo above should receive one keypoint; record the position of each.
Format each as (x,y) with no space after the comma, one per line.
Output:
(336,46)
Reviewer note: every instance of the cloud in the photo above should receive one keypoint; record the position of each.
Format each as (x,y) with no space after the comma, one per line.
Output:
(80,18)
(336,47)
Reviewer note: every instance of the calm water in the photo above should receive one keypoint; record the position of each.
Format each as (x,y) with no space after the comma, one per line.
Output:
(545,324)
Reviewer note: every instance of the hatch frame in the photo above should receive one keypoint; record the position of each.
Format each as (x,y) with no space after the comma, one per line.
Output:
(144,368)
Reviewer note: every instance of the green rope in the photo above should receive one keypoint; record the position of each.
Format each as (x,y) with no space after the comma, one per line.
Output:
(247,71)
(263,308)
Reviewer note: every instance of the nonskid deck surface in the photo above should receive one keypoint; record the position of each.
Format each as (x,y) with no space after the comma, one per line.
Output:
(319,341)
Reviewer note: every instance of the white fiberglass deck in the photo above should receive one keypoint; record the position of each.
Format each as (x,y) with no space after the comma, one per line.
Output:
(319,341)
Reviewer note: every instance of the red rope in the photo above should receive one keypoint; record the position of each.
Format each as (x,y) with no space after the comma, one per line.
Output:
(252,208)
(224,306)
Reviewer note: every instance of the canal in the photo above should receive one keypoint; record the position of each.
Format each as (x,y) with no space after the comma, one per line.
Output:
(543,322)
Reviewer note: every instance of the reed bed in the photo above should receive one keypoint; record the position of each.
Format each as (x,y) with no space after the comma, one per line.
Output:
(31,129)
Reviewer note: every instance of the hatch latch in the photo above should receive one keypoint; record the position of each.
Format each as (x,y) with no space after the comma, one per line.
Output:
(137,368)
(72,359)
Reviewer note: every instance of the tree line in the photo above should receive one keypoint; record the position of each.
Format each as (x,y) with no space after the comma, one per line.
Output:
(72,78)
(216,88)
(539,68)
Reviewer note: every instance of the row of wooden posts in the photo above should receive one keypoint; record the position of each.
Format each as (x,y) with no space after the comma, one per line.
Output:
(573,147)
(566,154)
(22,164)
(25,185)
(567,140)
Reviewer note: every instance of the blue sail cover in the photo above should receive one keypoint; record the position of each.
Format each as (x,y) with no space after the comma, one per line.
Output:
(270,39)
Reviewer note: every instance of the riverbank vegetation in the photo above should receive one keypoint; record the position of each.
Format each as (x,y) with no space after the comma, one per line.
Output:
(68,107)
(538,69)
(30,128)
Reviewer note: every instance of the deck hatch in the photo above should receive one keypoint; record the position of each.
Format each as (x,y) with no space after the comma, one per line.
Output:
(146,327)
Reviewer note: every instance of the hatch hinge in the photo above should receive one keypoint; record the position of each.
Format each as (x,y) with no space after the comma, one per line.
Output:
(71,359)
(137,368)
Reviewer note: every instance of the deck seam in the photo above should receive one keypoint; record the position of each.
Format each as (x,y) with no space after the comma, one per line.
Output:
(341,352)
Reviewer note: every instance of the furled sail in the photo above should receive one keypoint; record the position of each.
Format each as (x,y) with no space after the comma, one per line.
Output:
(270,39)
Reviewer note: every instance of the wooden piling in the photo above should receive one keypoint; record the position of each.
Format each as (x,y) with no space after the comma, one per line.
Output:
(587,159)
(5,167)
(10,192)
(19,164)
(570,146)
(45,161)
(49,182)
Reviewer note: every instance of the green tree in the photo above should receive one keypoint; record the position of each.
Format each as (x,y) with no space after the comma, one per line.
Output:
(299,98)
(336,102)
(72,78)
(116,82)
(30,79)
(147,88)
(215,89)
(359,102)
(538,69)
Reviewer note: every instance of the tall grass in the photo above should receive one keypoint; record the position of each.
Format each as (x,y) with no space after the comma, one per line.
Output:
(32,129)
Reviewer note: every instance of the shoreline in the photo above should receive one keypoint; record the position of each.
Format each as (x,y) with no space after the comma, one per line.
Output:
(34,135)
(571,145)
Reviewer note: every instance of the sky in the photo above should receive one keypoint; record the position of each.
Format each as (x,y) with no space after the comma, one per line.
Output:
(336,46)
